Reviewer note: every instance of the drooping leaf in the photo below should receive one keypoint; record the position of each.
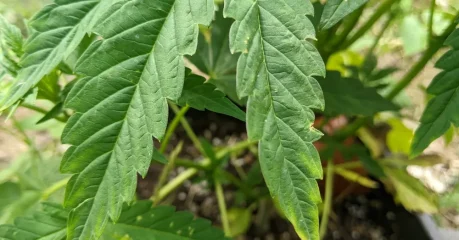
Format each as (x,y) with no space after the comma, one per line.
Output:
(142,222)
(201,95)
(214,57)
(442,110)
(122,103)
(275,71)
(59,29)
(335,10)
(350,97)
(410,192)
(48,224)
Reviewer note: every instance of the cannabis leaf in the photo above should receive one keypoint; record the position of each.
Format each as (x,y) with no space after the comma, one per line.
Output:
(122,102)
(137,222)
(335,10)
(348,96)
(140,222)
(275,70)
(11,46)
(441,111)
(214,57)
(49,224)
(201,95)
(59,28)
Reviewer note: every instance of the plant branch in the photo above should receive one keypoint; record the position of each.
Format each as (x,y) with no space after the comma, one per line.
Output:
(434,47)
(328,199)
(54,188)
(43,111)
(189,173)
(171,129)
(189,131)
(222,206)
(165,173)
(433,4)
(383,8)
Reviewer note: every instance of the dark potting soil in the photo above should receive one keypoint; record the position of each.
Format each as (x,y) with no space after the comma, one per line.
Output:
(372,216)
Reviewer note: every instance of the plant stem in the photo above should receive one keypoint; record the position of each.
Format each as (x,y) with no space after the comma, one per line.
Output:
(433,4)
(171,129)
(43,111)
(328,199)
(383,8)
(189,131)
(348,26)
(54,188)
(379,36)
(222,206)
(165,173)
(434,47)
(189,173)
(176,183)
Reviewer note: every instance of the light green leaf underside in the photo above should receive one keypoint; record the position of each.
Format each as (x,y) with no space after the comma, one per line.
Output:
(58,29)
(122,103)
(350,97)
(200,95)
(141,222)
(276,71)
(335,10)
(442,110)
(49,224)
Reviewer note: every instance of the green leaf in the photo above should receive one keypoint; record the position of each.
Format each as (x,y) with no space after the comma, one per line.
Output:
(159,157)
(275,71)
(214,57)
(59,29)
(350,97)
(335,10)
(11,47)
(11,36)
(122,102)
(441,111)
(239,220)
(141,222)
(201,95)
(48,224)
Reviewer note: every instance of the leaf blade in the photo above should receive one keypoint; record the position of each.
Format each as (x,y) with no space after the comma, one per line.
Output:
(275,71)
(122,103)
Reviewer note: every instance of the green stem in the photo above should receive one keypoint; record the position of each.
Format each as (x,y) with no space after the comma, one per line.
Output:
(54,188)
(176,183)
(434,47)
(222,206)
(328,200)
(189,131)
(43,111)
(205,164)
(171,129)
(348,26)
(383,8)
(384,28)
(433,4)
(165,173)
